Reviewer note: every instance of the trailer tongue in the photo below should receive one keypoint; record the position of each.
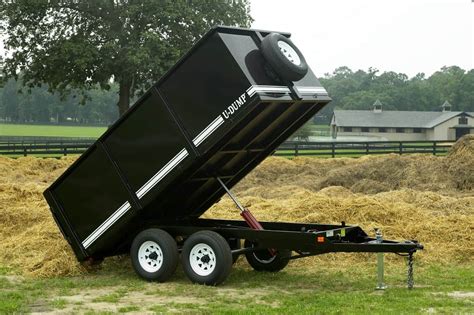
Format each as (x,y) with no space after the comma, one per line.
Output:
(211,119)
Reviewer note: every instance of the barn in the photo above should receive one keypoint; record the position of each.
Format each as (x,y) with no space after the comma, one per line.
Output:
(379,124)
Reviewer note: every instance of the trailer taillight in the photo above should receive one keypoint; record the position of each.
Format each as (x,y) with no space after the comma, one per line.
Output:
(320,239)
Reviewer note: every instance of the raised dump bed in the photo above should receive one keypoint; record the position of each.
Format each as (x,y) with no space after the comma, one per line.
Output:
(211,119)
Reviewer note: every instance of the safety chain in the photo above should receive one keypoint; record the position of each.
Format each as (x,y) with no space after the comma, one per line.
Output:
(410,270)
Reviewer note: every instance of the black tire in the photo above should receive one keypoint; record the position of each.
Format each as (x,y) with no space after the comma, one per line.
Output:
(262,260)
(162,250)
(288,65)
(211,258)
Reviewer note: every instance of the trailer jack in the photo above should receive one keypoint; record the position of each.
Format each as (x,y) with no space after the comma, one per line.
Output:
(380,262)
(380,265)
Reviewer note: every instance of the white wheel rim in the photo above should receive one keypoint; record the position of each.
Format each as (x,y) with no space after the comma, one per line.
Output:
(289,53)
(150,256)
(202,259)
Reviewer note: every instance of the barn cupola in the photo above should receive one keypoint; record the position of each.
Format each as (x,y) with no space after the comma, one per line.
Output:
(446,106)
(377,106)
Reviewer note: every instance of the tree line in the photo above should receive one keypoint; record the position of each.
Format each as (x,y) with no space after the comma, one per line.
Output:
(348,89)
(360,89)
(39,105)
(76,48)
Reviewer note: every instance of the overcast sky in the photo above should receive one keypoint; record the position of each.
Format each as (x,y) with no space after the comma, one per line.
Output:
(408,36)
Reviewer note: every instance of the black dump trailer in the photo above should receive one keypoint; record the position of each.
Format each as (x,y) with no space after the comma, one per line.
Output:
(211,119)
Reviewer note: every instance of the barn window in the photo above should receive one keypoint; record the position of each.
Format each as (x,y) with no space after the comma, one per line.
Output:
(365,129)
(463,120)
(347,129)
(382,129)
(417,130)
(400,130)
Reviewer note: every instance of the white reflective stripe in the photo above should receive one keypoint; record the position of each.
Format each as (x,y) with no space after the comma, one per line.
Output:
(140,193)
(107,223)
(208,130)
(270,89)
(267,88)
(312,90)
(285,90)
(251,90)
(162,173)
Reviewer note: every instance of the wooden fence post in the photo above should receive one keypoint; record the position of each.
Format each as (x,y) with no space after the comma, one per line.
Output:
(400,148)
(434,148)
(333,149)
(296,149)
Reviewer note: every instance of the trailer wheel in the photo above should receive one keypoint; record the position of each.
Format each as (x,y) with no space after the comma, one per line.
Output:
(262,260)
(206,258)
(284,57)
(154,255)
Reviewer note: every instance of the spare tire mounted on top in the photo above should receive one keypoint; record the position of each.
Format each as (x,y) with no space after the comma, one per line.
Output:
(284,57)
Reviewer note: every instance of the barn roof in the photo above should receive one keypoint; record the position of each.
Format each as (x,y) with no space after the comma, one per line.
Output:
(392,119)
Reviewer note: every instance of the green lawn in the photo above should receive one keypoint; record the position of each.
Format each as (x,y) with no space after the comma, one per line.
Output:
(51,130)
(296,290)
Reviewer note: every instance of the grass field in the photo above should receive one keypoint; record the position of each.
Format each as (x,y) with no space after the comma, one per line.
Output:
(76,131)
(50,130)
(296,290)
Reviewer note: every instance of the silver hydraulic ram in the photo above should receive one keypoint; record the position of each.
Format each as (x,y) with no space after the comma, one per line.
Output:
(245,213)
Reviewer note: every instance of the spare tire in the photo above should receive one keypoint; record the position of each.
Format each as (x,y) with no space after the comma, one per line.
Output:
(284,57)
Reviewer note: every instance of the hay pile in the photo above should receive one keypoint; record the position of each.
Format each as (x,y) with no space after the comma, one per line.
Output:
(461,166)
(30,240)
(453,174)
(444,224)
(410,197)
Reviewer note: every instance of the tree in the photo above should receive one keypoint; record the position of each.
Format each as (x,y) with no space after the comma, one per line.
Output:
(77,44)
(446,85)
(10,101)
(364,100)
(304,132)
(359,90)
(465,99)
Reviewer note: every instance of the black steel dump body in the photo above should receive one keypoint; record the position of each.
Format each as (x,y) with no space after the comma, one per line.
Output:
(217,112)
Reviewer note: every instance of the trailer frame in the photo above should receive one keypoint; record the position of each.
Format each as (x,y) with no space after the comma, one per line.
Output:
(307,239)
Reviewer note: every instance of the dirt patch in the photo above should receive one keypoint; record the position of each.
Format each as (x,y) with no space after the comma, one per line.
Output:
(461,295)
(13,279)
(95,300)
(142,301)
